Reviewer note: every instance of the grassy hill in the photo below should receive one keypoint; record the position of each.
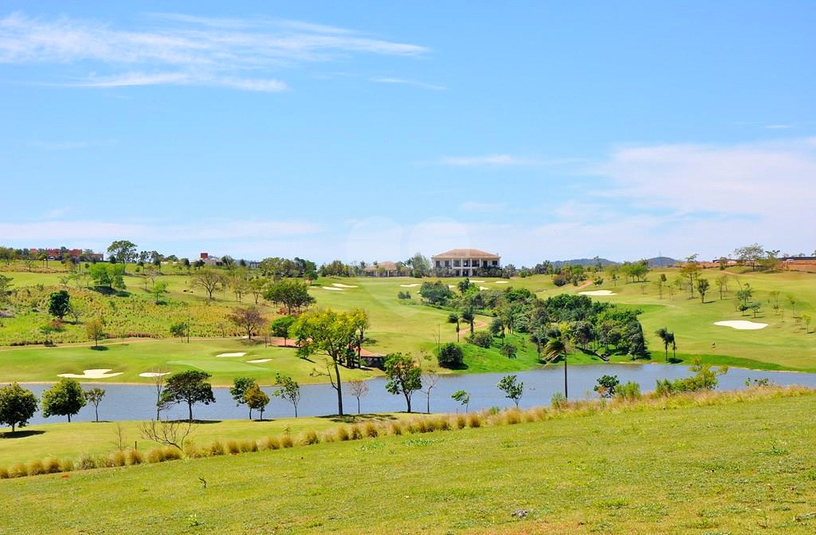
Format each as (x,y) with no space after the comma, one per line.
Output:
(709,464)
(396,325)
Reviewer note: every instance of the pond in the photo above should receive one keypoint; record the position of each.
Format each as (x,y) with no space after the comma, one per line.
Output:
(138,402)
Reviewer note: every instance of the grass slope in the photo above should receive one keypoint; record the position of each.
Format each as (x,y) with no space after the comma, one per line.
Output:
(726,468)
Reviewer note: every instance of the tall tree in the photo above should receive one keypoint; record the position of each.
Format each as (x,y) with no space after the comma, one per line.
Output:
(291,294)
(249,320)
(469,318)
(453,317)
(239,389)
(331,333)
(94,397)
(63,399)
(123,250)
(557,348)
(256,399)
(159,288)
(17,406)
(667,337)
(95,330)
(59,304)
(288,389)
(702,288)
(358,389)
(188,387)
(404,376)
(210,279)
(690,271)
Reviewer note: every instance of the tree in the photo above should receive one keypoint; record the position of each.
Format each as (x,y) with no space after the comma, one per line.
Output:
(256,399)
(606,386)
(332,333)
(512,390)
(17,406)
(239,389)
(463,397)
(722,284)
(123,250)
(209,279)
(557,348)
(509,350)
(95,330)
(806,318)
(750,254)
(159,288)
(792,301)
(188,387)
(358,389)
(250,320)
(289,389)
(291,294)
(667,337)
(469,318)
(450,356)
(94,397)
(428,380)
(281,326)
(691,270)
(453,317)
(59,304)
(702,287)
(107,275)
(5,284)
(63,399)
(404,376)
(181,330)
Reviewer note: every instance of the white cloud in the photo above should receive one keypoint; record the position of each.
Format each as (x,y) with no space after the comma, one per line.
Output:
(408,82)
(185,50)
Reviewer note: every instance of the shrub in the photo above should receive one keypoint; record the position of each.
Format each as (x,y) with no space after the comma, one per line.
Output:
(233,447)
(4,473)
(475,420)
(395,428)
(371,430)
(286,441)
(481,339)
(191,452)
(512,417)
(18,470)
(66,465)
(270,443)
(36,468)
(442,424)
(118,458)
(558,401)
(135,457)
(52,465)
(86,462)
(461,421)
(155,455)
(171,453)
(451,356)
(308,438)
(343,433)
(628,392)
(355,432)
(215,449)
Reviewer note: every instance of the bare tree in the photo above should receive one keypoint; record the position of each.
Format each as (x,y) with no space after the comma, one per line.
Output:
(358,389)
(429,380)
(168,432)
(157,374)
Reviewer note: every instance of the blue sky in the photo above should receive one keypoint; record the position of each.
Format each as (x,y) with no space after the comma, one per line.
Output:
(371,130)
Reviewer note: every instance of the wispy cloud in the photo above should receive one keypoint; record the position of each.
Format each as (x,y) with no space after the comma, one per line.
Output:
(185,50)
(402,81)
(503,160)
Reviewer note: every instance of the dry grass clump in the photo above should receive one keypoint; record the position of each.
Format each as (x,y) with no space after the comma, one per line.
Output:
(475,420)
(308,438)
(248,446)
(343,434)
(117,458)
(395,428)
(286,441)
(4,473)
(135,457)
(355,432)
(52,465)
(172,454)
(155,455)
(233,448)
(67,465)
(270,443)
(18,470)
(36,468)
(371,430)
(216,449)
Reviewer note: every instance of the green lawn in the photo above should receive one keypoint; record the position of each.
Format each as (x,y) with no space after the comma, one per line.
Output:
(726,468)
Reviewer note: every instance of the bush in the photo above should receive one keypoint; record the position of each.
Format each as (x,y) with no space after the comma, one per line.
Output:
(117,458)
(404,295)
(156,455)
(270,443)
(66,465)
(343,434)
(215,449)
(286,441)
(52,465)
(451,356)
(558,401)
(36,468)
(461,421)
(371,430)
(481,339)
(475,420)
(4,473)
(233,447)
(171,453)
(395,428)
(248,446)
(628,392)
(18,470)
(356,432)
(308,438)
(135,457)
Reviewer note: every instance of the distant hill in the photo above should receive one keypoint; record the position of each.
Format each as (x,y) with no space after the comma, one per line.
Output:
(584,262)
(662,261)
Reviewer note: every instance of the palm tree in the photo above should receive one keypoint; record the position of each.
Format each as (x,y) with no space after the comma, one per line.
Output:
(667,337)
(556,348)
(468,317)
(454,318)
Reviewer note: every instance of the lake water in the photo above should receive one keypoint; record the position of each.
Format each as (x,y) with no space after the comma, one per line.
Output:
(130,402)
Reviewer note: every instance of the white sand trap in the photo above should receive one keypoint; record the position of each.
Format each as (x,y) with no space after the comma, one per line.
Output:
(333,289)
(452,286)
(483,288)
(408,285)
(475,281)
(501,282)
(229,355)
(742,325)
(598,292)
(97,373)
(340,285)
(258,361)
(153,374)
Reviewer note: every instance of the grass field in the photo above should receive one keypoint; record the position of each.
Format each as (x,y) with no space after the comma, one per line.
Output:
(724,468)
(400,325)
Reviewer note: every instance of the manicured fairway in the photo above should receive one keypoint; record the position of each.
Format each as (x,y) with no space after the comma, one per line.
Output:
(728,468)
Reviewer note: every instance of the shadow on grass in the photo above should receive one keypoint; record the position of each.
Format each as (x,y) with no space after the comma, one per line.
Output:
(21,434)
(99,348)
(354,418)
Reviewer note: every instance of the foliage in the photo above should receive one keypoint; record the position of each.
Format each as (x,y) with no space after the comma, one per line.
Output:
(512,390)
(123,250)
(59,304)
(94,397)
(95,329)
(250,320)
(293,295)
(607,386)
(209,279)
(188,387)
(509,350)
(404,376)
(704,378)
(288,389)
(65,398)
(280,326)
(481,338)
(17,406)
(435,293)
(239,389)
(108,275)
(628,392)
(450,356)
(256,399)
(463,397)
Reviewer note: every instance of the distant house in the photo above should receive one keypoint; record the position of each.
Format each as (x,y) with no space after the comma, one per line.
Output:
(465,262)
(382,269)
(208,260)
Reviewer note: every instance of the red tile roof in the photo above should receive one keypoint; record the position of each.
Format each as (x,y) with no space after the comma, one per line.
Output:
(467,254)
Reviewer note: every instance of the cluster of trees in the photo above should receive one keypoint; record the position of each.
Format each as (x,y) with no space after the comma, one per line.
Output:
(65,398)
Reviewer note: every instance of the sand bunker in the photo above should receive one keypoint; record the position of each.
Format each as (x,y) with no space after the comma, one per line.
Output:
(501,282)
(452,286)
(408,285)
(258,361)
(475,281)
(229,355)
(333,289)
(97,373)
(340,285)
(483,288)
(598,292)
(153,374)
(742,325)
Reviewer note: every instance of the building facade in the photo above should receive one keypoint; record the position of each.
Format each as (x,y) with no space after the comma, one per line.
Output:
(465,263)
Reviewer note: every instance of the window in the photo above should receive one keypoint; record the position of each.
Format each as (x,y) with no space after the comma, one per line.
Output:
(456,263)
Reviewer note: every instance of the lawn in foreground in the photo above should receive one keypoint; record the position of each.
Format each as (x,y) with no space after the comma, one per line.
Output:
(733,468)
